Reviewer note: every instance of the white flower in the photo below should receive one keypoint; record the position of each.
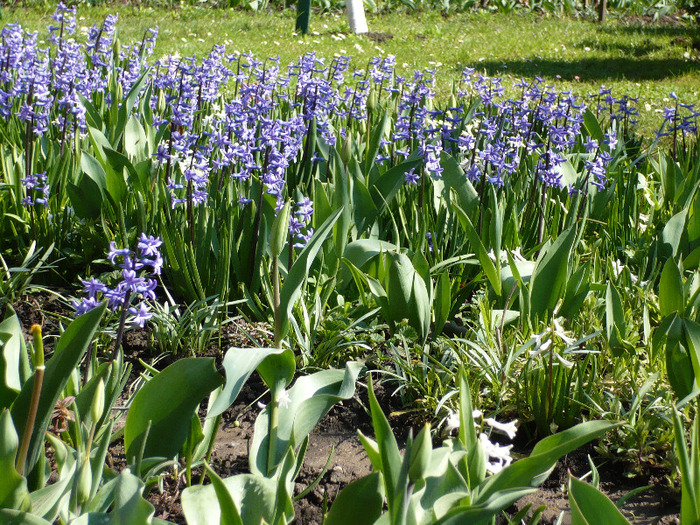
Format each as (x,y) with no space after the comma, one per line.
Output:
(499,457)
(559,331)
(283,399)
(509,429)
(452,422)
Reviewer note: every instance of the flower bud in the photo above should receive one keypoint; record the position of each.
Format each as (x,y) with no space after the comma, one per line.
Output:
(346,150)
(84,482)
(162,106)
(98,402)
(280,230)
(372,101)
(38,352)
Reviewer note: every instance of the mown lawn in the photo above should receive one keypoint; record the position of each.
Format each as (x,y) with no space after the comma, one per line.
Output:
(636,57)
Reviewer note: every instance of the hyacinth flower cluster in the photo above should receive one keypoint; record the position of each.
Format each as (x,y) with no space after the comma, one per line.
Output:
(136,284)
(43,86)
(37,188)
(299,220)
(259,140)
(680,123)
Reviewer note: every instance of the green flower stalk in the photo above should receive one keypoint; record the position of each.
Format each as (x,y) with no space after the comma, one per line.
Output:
(39,368)
(278,236)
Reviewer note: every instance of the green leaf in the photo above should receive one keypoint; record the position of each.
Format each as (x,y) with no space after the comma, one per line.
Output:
(533,470)
(482,512)
(364,210)
(690,468)
(590,122)
(442,303)
(388,184)
(407,294)
(671,297)
(167,403)
(14,364)
(492,274)
(128,504)
(388,447)
(310,399)
(277,369)
(280,230)
(591,507)
(549,278)
(253,496)
(16,517)
(238,364)
(94,170)
(70,349)
(291,290)
(13,486)
(229,512)
(691,330)
(453,177)
(672,234)
(615,327)
(360,503)
(135,143)
(86,198)
(117,164)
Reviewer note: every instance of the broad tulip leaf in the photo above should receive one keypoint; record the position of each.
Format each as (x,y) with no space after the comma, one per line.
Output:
(360,503)
(407,294)
(310,399)
(13,486)
(589,506)
(239,364)
(16,517)
(129,506)
(533,470)
(592,126)
(94,171)
(453,177)
(673,233)
(483,512)
(691,330)
(388,447)
(548,281)
(14,364)
(253,496)
(670,289)
(277,369)
(168,402)
(615,327)
(229,512)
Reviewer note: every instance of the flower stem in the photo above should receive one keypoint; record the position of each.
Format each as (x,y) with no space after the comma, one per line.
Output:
(39,368)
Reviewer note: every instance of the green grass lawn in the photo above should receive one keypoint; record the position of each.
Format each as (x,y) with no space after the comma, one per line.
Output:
(639,59)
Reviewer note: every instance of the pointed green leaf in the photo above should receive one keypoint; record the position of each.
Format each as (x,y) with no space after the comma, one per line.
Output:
(167,403)
(591,507)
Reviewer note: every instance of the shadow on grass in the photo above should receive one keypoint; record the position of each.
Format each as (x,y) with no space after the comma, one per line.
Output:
(591,69)
(671,31)
(627,49)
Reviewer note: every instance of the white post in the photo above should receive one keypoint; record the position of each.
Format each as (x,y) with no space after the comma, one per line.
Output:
(356,16)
